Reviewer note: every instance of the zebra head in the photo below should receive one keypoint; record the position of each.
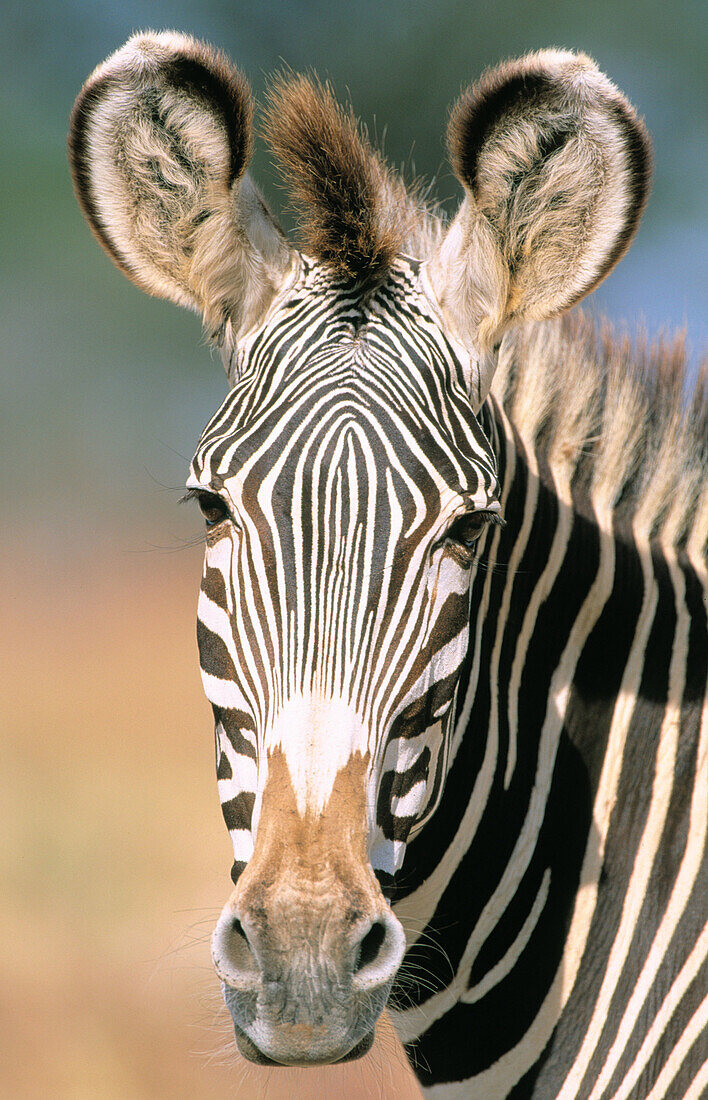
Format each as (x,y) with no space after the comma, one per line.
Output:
(346,483)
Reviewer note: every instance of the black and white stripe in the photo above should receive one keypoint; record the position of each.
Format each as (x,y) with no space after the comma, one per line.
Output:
(344,453)
(555,905)
(571,837)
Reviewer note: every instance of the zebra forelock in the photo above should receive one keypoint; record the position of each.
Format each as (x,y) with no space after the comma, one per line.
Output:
(356,214)
(337,180)
(331,602)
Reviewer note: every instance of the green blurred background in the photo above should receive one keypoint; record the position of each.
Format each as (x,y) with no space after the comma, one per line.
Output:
(102,385)
(112,849)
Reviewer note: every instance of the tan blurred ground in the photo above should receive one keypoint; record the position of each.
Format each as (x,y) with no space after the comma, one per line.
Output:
(114,855)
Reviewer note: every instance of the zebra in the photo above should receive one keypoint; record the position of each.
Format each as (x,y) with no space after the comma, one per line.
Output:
(453,614)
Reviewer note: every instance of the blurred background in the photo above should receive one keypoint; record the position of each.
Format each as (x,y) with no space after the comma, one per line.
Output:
(113,855)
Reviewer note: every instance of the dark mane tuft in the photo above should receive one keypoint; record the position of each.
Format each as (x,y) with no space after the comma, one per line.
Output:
(354,211)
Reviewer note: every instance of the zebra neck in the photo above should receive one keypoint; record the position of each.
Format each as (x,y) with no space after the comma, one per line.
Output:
(561,771)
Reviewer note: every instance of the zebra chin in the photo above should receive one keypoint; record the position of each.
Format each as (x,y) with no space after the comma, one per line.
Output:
(249,1051)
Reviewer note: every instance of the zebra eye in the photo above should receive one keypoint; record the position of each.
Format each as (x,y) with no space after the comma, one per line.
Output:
(466,529)
(212,508)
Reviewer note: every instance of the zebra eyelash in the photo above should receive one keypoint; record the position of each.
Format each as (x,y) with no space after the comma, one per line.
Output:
(462,537)
(456,530)
(209,502)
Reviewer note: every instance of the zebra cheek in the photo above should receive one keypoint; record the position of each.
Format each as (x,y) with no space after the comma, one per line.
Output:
(448,634)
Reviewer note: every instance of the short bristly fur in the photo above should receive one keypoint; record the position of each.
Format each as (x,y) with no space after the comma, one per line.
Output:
(356,214)
(611,415)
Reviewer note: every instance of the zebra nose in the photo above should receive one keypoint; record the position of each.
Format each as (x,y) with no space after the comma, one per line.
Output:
(375,951)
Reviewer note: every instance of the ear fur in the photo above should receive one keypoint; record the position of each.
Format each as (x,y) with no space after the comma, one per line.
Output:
(556,168)
(159,140)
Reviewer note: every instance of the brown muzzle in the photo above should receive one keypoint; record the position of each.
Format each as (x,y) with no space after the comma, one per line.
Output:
(307,946)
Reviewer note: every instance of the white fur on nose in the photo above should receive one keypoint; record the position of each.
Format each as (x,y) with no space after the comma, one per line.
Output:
(318,736)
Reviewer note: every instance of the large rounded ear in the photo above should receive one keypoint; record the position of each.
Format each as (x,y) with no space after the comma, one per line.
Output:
(556,168)
(159,140)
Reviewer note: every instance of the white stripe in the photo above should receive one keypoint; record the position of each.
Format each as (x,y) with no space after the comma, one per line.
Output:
(409,804)
(698,1022)
(216,620)
(222,693)
(244,780)
(507,962)
(698,1088)
(387,855)
(242,841)
(647,848)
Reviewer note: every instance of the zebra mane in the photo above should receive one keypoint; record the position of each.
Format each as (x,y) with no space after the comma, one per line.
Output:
(356,214)
(610,416)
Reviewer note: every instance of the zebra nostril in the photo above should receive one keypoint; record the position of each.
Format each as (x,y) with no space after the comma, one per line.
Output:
(231,952)
(380,953)
(370,946)
(238,929)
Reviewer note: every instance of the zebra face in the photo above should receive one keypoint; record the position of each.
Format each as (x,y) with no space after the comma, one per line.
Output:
(344,484)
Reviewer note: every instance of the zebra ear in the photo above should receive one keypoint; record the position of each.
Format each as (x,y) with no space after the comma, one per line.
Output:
(556,168)
(160,136)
